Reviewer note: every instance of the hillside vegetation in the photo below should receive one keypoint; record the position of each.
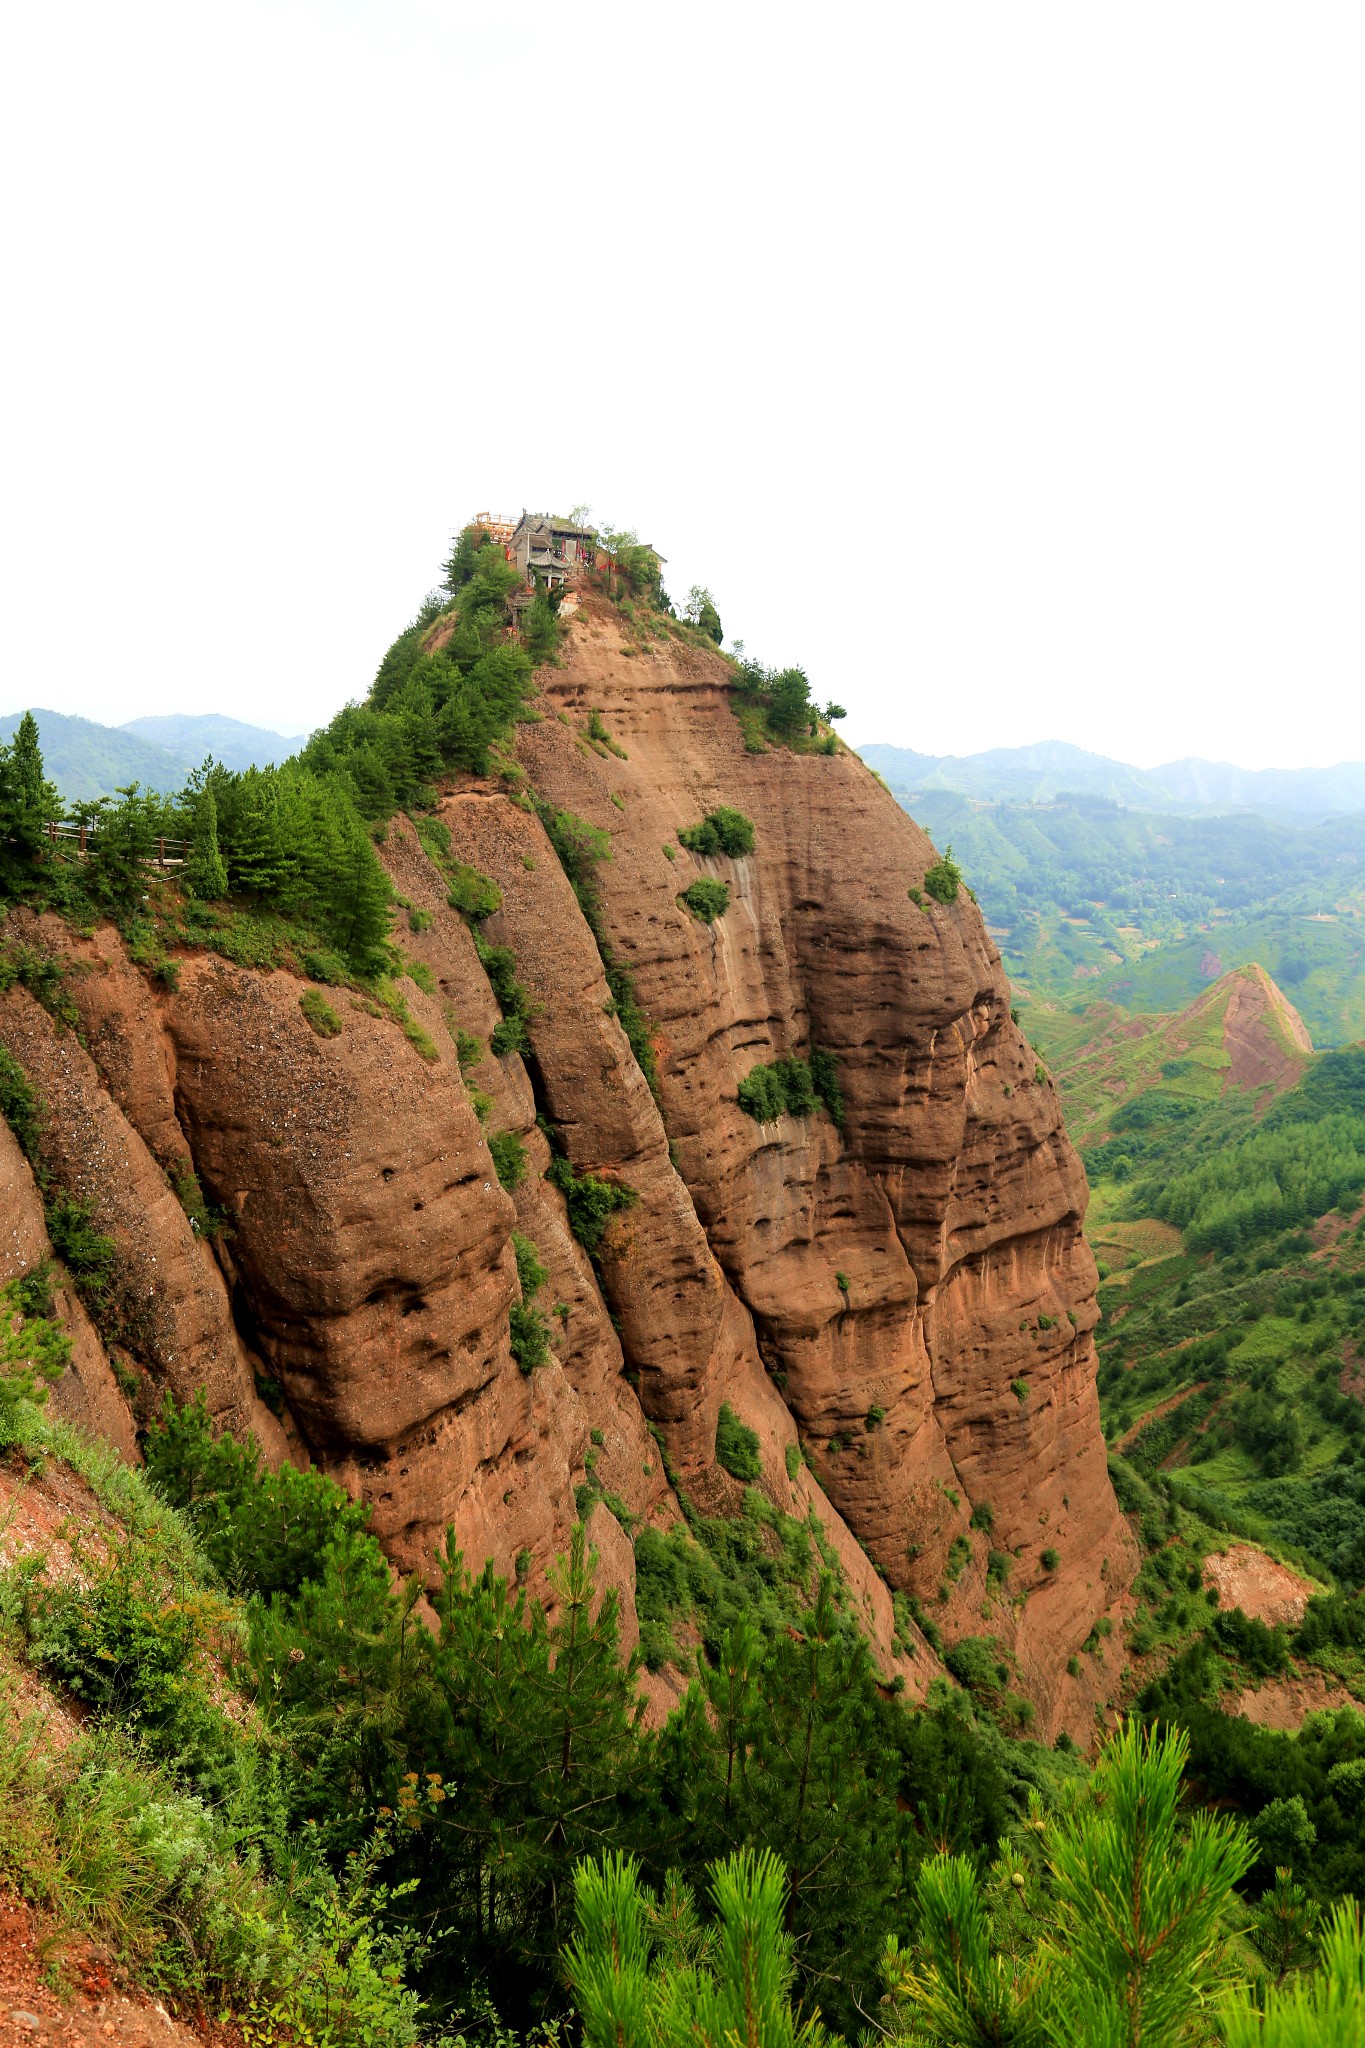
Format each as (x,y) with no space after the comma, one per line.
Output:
(1142,909)
(1241,1322)
(1229,1219)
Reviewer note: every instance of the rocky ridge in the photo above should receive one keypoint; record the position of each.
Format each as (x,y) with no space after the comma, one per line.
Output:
(902,1310)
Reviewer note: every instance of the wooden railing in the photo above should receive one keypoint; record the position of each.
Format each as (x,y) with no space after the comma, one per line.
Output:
(78,839)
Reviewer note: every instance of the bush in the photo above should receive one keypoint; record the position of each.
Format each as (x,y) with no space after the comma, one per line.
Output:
(975,1663)
(1331,1619)
(263,1532)
(944,879)
(1264,1651)
(474,895)
(778,702)
(824,1074)
(579,847)
(508,1036)
(791,1458)
(737,1446)
(88,1255)
(591,1202)
(509,1158)
(529,1329)
(707,899)
(320,1013)
(720,831)
(530,1273)
(1051,1559)
(1284,1833)
(530,1334)
(34,1350)
(19,1105)
(468,1048)
(784,1088)
(700,611)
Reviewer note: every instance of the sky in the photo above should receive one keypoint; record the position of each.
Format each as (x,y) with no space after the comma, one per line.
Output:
(1000,364)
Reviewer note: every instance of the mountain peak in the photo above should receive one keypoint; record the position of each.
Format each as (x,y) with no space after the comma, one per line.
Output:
(1240,1035)
(1263,1036)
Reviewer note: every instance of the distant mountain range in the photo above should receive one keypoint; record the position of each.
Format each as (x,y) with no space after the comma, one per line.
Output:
(1040,773)
(87,760)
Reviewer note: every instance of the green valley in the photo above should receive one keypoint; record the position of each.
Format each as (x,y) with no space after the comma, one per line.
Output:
(1227,1168)
(1145,907)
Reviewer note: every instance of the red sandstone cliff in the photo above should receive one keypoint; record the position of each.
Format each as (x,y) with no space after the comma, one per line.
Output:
(369,1270)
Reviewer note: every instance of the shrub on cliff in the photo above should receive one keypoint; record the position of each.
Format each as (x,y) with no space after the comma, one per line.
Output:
(706,898)
(320,1014)
(590,1200)
(721,831)
(824,1074)
(792,1087)
(737,1446)
(509,1158)
(34,1350)
(580,847)
(779,700)
(944,879)
(700,611)
(530,1333)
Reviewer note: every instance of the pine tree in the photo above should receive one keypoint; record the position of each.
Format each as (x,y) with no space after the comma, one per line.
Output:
(791,1749)
(28,803)
(1132,1950)
(587,1713)
(631,1996)
(205,871)
(124,844)
(1326,2010)
(358,895)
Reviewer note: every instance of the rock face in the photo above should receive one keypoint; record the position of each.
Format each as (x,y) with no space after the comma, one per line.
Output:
(902,1309)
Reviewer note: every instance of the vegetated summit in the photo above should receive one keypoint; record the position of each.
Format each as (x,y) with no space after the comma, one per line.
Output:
(569,1117)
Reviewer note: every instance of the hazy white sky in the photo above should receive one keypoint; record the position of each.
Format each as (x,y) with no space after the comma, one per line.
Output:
(1001,363)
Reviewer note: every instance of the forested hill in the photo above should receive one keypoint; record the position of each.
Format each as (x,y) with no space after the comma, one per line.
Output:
(1090,900)
(87,760)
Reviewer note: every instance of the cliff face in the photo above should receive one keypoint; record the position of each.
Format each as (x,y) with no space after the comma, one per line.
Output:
(909,1302)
